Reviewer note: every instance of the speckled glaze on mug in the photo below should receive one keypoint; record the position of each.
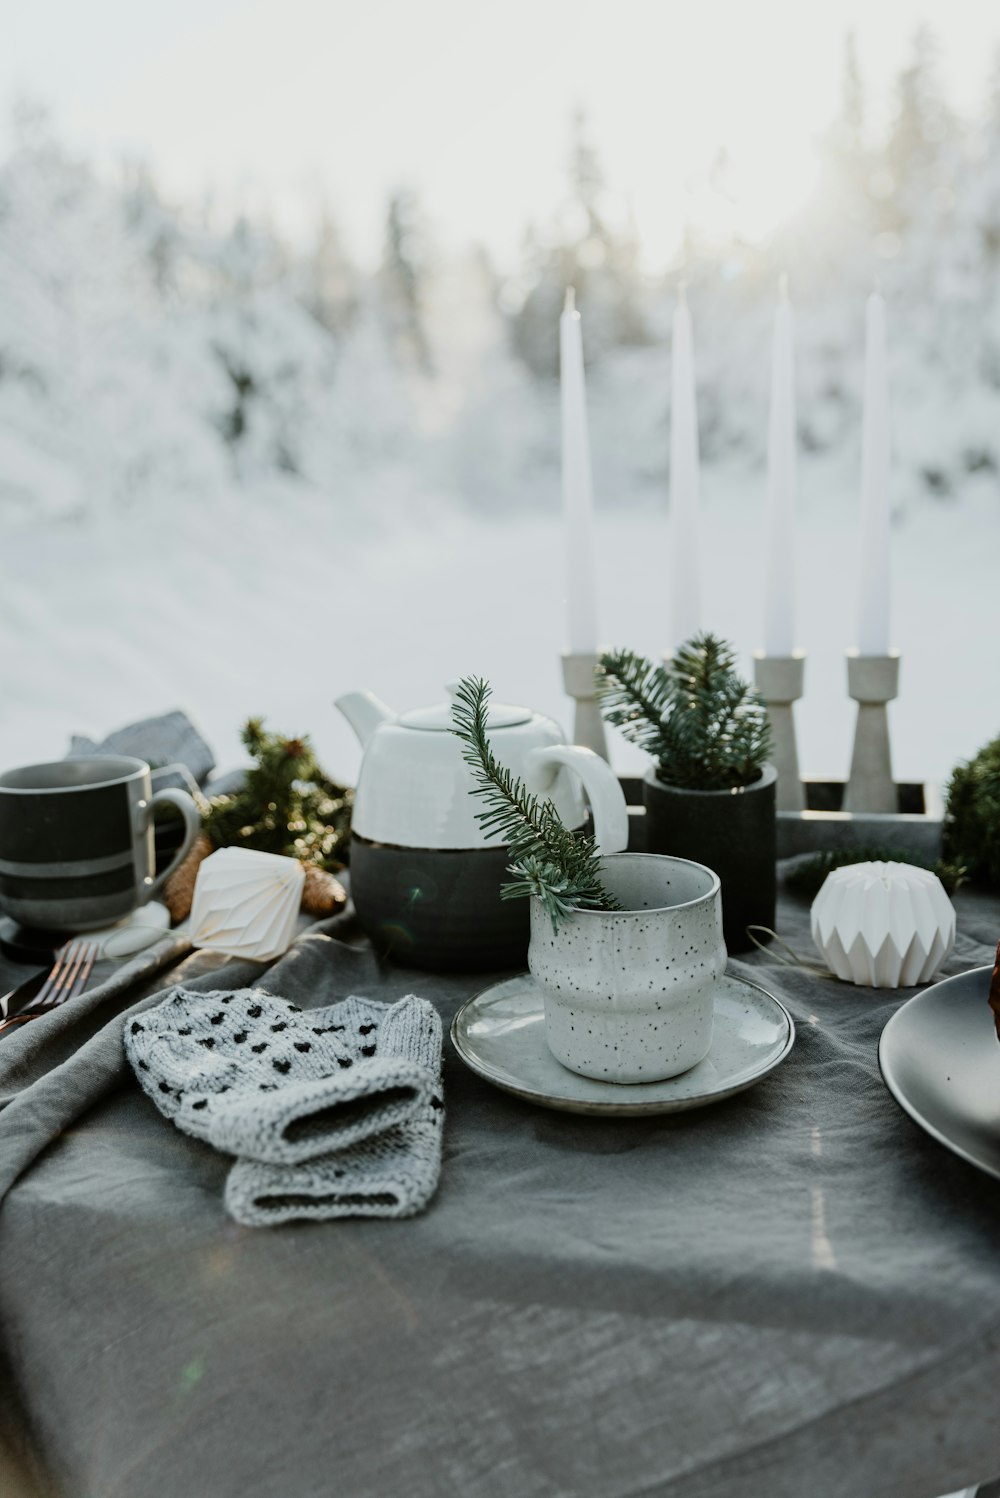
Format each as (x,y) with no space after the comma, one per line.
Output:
(629,994)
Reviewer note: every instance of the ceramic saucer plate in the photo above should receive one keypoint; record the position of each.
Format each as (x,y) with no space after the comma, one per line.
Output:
(501,1035)
(132,934)
(940,1060)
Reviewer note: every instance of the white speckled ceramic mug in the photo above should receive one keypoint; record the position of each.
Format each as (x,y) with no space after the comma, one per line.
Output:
(629,994)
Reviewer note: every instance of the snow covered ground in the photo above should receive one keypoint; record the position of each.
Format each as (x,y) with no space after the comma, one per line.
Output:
(267,607)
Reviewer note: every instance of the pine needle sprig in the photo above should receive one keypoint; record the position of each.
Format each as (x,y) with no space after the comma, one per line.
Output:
(635,695)
(559,867)
(704,725)
(286,804)
(971,834)
(807,875)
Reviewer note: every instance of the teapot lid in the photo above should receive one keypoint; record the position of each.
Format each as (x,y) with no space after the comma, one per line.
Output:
(438,719)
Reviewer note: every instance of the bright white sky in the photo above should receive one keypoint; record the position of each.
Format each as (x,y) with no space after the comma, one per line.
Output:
(291,101)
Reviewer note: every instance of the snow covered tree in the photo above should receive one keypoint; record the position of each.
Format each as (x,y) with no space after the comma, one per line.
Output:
(326,278)
(151,223)
(845,151)
(922,126)
(401,278)
(852,95)
(585,251)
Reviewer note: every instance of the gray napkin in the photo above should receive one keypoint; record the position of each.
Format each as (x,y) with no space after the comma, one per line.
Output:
(170,739)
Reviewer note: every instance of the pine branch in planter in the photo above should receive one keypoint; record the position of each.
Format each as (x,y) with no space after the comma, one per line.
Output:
(717,734)
(704,725)
(636,695)
(552,863)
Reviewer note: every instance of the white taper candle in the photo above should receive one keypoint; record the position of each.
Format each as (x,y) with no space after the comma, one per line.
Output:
(873,611)
(685,558)
(577,492)
(779,597)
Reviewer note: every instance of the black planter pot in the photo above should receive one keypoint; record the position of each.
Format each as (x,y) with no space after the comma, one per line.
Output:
(733,832)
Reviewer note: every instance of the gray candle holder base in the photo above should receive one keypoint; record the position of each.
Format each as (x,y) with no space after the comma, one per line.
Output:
(914,828)
(780,680)
(578,678)
(873,682)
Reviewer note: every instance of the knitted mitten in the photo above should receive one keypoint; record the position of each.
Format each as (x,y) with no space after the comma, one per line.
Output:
(391,1174)
(394,1174)
(254,1075)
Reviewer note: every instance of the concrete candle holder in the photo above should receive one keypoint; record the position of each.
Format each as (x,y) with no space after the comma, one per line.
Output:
(780,680)
(578,679)
(873,681)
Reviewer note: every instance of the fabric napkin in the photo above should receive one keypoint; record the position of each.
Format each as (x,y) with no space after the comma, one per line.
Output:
(331,1112)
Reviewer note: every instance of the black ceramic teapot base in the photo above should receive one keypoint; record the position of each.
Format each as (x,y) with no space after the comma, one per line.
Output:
(439,909)
(28,944)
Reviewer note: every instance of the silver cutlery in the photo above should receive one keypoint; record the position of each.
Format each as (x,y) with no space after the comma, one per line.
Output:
(67,978)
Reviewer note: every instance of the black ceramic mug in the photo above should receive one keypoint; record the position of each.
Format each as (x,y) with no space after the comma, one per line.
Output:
(76,841)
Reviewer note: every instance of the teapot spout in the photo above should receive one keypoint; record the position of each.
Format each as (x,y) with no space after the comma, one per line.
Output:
(365,712)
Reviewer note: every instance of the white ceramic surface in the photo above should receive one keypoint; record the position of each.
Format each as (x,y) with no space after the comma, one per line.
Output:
(883,925)
(940,1059)
(414,788)
(134,934)
(629,994)
(246,903)
(500,1034)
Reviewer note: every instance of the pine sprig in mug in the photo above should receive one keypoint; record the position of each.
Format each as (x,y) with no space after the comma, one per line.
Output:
(557,866)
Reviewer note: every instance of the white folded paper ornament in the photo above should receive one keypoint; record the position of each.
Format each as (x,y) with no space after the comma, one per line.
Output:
(884,925)
(246,903)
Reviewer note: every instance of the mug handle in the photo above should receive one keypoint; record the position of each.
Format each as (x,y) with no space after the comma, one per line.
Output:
(604,792)
(192,827)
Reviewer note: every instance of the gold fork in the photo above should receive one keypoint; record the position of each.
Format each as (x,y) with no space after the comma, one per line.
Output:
(68,977)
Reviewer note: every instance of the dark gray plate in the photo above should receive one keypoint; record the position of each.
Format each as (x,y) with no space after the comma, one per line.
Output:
(940,1060)
(501,1035)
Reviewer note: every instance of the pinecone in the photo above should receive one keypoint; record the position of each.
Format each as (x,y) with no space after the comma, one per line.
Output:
(321,893)
(178,892)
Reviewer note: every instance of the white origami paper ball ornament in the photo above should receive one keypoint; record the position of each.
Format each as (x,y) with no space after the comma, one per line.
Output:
(246,903)
(885,925)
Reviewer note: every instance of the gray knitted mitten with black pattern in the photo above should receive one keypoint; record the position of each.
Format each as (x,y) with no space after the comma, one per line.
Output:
(392,1174)
(333,1112)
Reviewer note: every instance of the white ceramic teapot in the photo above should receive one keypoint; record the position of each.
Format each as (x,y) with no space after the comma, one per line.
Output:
(424,877)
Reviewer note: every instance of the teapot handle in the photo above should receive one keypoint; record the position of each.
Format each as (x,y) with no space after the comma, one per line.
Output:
(606,797)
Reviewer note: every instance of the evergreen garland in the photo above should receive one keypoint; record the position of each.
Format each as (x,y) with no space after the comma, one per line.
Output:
(557,866)
(809,873)
(285,805)
(704,725)
(972,815)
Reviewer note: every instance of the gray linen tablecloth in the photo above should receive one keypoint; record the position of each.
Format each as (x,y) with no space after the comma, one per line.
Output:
(792,1293)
